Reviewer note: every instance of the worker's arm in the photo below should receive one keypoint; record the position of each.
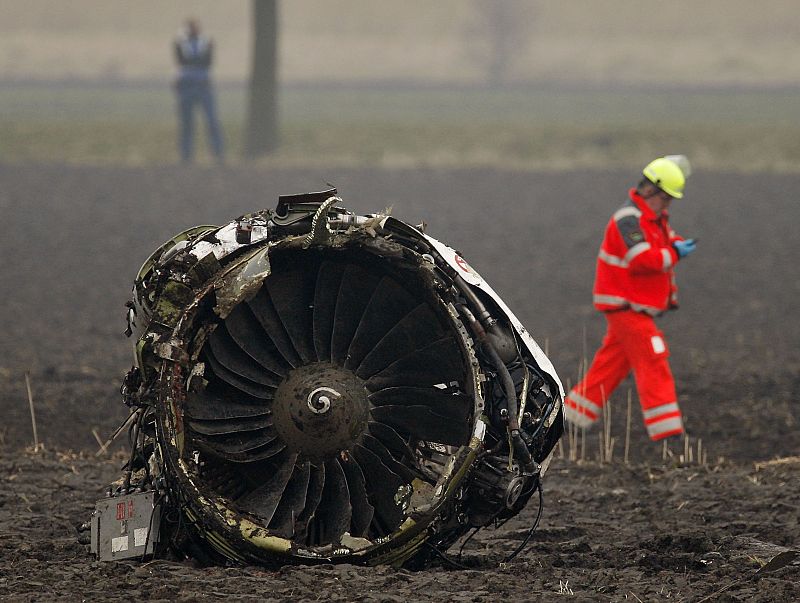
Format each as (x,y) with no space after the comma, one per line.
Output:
(654,259)
(674,236)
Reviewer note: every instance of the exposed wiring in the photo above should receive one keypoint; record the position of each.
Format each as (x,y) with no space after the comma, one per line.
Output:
(519,548)
(535,525)
(463,544)
(450,561)
(156,503)
(476,530)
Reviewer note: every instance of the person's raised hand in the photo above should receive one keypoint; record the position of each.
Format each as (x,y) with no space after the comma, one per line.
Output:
(684,248)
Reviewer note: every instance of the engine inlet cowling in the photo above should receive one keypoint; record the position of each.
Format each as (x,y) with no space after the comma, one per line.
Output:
(317,386)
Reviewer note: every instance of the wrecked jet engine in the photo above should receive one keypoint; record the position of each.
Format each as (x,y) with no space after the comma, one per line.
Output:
(317,386)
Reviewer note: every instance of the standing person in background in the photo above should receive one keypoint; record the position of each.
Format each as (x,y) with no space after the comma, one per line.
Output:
(634,282)
(194,54)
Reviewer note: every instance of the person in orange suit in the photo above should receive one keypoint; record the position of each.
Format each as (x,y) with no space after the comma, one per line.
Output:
(634,283)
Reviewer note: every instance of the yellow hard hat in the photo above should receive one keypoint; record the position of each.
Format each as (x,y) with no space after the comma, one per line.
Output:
(667,175)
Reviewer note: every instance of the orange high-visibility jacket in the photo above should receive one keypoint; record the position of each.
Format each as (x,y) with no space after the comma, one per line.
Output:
(635,262)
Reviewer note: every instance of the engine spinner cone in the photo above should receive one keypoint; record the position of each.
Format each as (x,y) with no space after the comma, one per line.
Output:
(320,409)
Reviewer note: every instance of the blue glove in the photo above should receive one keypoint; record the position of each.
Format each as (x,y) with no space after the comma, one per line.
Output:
(684,248)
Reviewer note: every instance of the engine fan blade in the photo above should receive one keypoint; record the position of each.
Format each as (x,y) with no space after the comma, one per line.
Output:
(391,440)
(240,442)
(389,303)
(382,486)
(264,500)
(224,479)
(363,512)
(415,331)
(400,449)
(216,427)
(266,314)
(329,280)
(248,334)
(267,451)
(421,422)
(293,501)
(374,445)
(205,406)
(316,484)
(292,293)
(237,381)
(440,362)
(228,353)
(334,511)
(354,293)
(453,407)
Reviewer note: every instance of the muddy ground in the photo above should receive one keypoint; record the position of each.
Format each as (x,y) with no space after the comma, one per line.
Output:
(73,239)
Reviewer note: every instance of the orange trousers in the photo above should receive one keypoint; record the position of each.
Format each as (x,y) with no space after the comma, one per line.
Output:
(632,341)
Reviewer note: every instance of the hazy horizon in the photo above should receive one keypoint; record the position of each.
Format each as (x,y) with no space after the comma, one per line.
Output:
(713,43)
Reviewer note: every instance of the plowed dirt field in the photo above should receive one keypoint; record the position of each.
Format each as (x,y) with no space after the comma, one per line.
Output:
(653,529)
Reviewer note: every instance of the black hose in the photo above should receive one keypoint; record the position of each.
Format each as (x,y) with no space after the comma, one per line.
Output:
(520,448)
(450,561)
(480,326)
(527,539)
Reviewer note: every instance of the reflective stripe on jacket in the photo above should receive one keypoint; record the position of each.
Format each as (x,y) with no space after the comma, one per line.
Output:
(636,260)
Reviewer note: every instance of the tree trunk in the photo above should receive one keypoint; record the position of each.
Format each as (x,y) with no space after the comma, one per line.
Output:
(261,134)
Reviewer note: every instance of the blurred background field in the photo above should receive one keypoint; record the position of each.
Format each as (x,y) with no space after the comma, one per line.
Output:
(392,126)
(579,83)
